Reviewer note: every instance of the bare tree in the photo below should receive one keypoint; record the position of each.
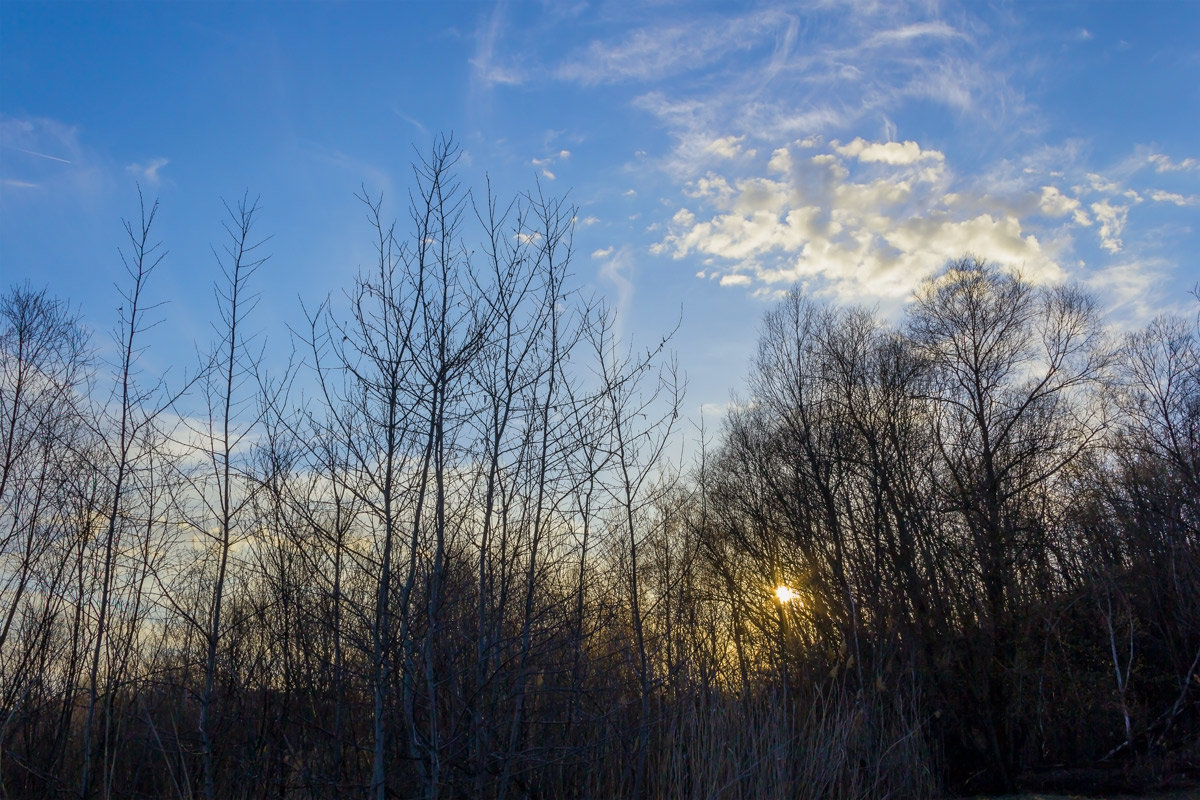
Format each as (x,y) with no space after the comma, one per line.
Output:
(43,369)
(639,424)
(231,415)
(1015,373)
(128,423)
(44,373)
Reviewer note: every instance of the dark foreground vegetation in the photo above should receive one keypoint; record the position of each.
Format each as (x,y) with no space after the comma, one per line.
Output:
(448,553)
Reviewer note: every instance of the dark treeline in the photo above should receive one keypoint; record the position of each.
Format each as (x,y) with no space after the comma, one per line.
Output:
(447,553)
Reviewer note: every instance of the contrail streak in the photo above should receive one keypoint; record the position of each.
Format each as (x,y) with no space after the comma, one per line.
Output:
(41,155)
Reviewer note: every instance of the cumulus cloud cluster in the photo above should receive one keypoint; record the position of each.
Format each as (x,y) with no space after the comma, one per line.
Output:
(861,219)
(762,196)
(865,220)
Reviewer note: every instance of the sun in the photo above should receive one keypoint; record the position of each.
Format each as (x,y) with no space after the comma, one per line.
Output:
(785,594)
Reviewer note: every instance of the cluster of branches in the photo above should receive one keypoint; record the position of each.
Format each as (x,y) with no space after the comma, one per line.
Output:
(991,509)
(446,554)
(414,576)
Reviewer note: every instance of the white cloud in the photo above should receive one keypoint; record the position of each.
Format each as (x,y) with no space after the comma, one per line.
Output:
(1159,196)
(1133,290)
(888,152)
(484,63)
(657,52)
(618,270)
(148,172)
(1056,204)
(603,252)
(711,185)
(1101,184)
(46,154)
(948,84)
(774,75)
(865,69)
(494,74)
(727,146)
(905,34)
(871,230)
(718,410)
(781,161)
(791,154)
(544,163)
(1112,221)
(1164,163)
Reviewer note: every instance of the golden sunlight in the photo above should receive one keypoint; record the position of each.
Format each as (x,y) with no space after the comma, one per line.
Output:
(785,594)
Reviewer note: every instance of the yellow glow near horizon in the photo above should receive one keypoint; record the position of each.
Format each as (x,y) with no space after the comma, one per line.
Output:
(785,594)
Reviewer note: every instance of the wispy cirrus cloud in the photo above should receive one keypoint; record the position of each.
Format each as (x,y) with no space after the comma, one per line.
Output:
(487,64)
(934,29)
(770,77)
(661,51)
(43,153)
(857,146)
(1131,288)
(617,268)
(41,138)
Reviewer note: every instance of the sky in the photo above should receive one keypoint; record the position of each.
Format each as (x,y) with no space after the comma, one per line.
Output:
(718,154)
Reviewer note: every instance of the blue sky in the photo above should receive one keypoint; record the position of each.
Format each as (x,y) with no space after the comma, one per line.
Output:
(718,153)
